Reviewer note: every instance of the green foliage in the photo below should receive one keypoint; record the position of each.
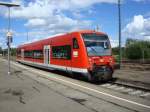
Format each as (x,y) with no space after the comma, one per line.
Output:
(13,51)
(134,51)
(115,50)
(116,57)
(137,49)
(0,50)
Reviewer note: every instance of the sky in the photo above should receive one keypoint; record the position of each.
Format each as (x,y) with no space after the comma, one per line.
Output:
(40,19)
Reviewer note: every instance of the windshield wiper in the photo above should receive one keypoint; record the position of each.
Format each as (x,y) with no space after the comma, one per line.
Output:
(93,50)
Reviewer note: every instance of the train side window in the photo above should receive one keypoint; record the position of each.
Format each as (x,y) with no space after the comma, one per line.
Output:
(28,54)
(38,54)
(61,52)
(75,44)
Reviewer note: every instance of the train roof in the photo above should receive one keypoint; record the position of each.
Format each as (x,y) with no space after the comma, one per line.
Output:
(57,35)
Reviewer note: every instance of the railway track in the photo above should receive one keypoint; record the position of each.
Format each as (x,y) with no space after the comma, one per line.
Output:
(129,87)
(133,84)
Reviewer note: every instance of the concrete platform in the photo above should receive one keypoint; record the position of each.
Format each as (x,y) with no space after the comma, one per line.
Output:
(23,94)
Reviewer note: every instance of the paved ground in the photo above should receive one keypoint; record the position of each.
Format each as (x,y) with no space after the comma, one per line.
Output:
(27,91)
(133,74)
(22,94)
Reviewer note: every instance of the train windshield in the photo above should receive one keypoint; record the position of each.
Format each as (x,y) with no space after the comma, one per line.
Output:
(97,45)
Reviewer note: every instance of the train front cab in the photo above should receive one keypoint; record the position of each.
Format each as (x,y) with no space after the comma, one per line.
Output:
(98,55)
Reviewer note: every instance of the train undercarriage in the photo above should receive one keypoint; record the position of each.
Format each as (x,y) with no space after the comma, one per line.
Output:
(100,74)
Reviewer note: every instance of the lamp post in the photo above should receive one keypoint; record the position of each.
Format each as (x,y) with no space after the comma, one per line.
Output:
(9,34)
(119,25)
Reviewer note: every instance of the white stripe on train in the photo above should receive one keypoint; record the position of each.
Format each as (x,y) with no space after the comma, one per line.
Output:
(52,66)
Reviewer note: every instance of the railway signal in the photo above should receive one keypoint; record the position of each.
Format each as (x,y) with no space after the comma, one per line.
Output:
(9,34)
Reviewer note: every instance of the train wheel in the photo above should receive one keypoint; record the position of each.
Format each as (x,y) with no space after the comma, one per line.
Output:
(92,78)
(73,75)
(107,77)
(89,77)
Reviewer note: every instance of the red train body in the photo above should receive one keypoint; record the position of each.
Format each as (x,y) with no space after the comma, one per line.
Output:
(86,52)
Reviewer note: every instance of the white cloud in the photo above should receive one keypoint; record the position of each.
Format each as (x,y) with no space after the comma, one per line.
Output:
(3,30)
(138,28)
(114,43)
(2,41)
(13,46)
(46,8)
(35,22)
(136,25)
(47,17)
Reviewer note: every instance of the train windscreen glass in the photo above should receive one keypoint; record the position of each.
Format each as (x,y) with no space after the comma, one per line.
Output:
(97,45)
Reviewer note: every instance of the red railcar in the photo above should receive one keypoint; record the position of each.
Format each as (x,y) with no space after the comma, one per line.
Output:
(86,52)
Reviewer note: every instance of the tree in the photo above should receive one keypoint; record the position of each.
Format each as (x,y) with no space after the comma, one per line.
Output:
(0,50)
(13,51)
(137,49)
(115,51)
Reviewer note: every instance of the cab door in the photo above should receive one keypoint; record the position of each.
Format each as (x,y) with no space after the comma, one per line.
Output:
(75,53)
(73,62)
(46,54)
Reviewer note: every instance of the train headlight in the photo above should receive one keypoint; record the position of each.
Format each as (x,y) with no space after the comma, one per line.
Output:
(90,59)
(101,60)
(111,61)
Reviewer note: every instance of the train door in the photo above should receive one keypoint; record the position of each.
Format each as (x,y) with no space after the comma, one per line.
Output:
(22,54)
(47,54)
